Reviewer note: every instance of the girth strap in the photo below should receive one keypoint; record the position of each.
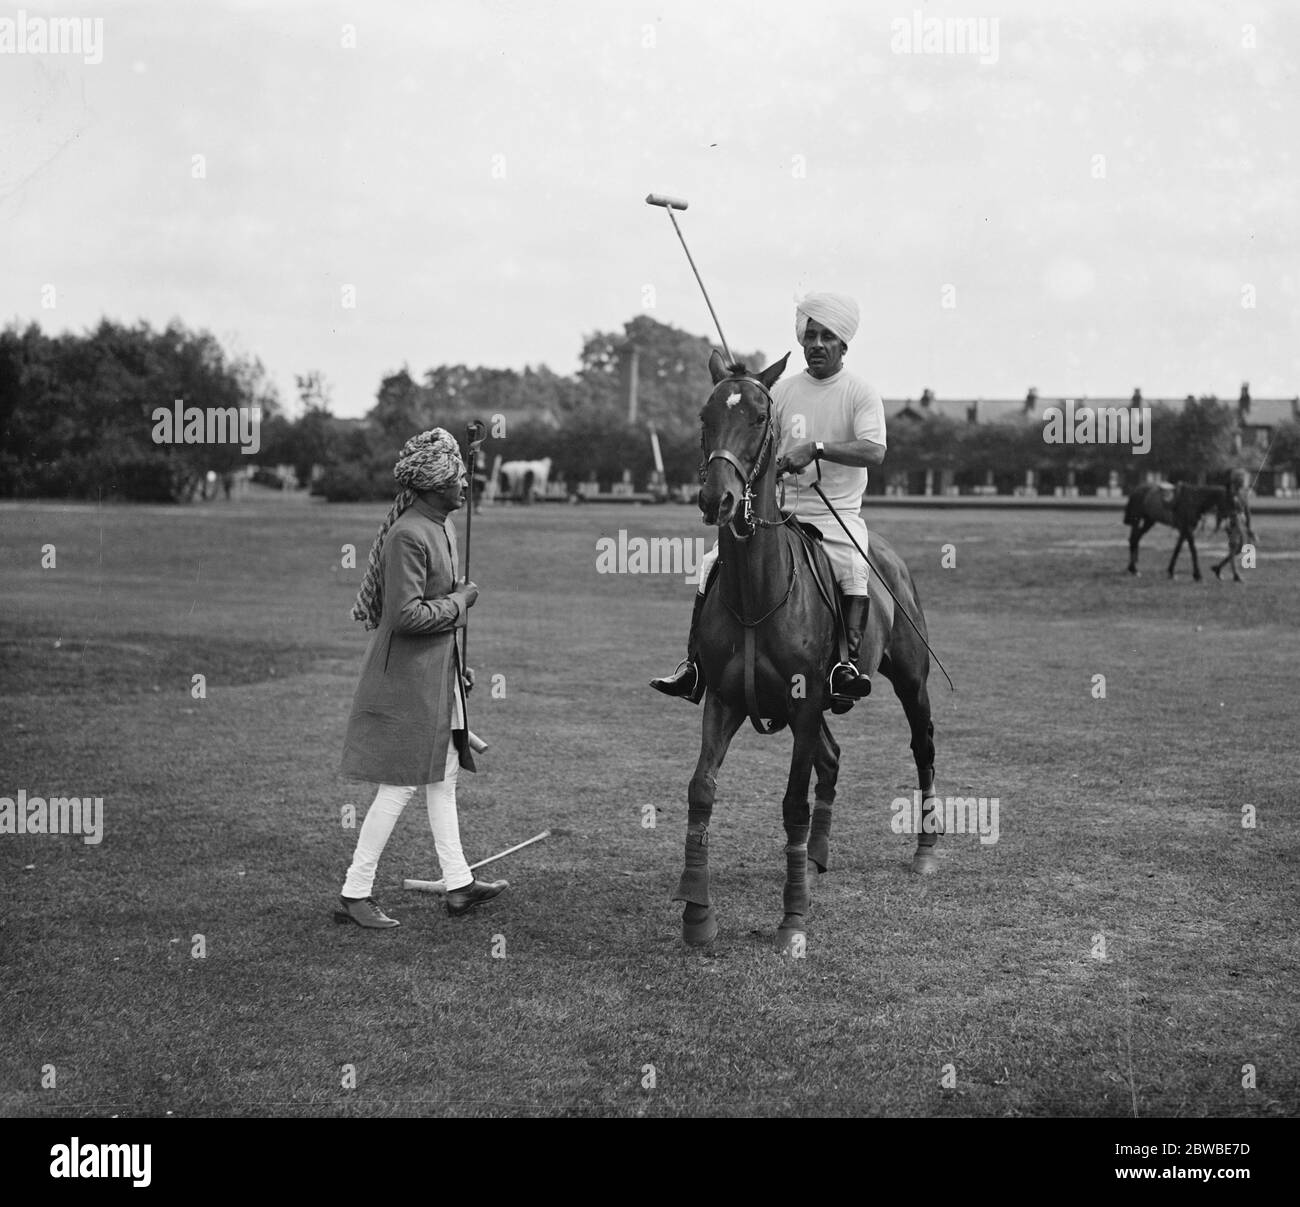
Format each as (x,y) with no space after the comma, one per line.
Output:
(751,695)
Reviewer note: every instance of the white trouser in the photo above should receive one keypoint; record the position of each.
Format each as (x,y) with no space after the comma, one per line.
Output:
(849,566)
(382,816)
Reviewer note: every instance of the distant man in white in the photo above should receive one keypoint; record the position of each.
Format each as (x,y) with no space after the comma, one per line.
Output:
(825,416)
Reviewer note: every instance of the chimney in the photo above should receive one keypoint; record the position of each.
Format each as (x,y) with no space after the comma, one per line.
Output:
(927,397)
(1243,402)
(1136,400)
(973,412)
(1031,400)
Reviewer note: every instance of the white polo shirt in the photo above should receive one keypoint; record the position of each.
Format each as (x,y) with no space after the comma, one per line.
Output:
(842,407)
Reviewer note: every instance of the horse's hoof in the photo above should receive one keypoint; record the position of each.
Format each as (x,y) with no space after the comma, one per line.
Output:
(699,925)
(792,941)
(925,862)
(1133,570)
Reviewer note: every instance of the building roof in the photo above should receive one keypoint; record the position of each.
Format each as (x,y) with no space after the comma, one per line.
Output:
(1262,413)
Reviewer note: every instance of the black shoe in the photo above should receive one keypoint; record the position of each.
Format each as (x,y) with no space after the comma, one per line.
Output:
(685,682)
(847,680)
(462,900)
(364,911)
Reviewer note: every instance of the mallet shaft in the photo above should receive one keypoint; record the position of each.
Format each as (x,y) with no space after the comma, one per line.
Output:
(674,203)
(440,886)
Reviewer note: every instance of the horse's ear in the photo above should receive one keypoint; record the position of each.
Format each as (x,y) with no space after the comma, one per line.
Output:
(717,370)
(772,373)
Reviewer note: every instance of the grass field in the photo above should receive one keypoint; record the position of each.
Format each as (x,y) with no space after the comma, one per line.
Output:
(1125,947)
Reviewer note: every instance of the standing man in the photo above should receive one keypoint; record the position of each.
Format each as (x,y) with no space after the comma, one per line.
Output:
(1240,527)
(408,727)
(829,417)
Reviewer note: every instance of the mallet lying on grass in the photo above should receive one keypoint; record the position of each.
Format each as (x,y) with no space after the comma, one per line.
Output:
(439,886)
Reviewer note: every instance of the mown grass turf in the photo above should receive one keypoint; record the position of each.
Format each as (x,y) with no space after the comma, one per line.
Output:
(1120,825)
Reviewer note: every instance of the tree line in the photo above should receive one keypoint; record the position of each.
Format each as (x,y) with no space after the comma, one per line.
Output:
(77,419)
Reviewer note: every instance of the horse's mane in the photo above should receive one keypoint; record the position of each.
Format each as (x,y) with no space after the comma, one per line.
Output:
(738,369)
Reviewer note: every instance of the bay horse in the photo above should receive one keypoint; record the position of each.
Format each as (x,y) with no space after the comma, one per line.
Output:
(1149,505)
(768,636)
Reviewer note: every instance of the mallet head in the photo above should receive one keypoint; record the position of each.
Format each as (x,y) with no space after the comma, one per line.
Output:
(668,203)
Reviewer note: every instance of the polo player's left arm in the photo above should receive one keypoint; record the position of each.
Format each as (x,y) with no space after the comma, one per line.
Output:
(860,454)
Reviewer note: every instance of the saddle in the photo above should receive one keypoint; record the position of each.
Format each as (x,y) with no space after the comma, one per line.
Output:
(808,540)
(817,561)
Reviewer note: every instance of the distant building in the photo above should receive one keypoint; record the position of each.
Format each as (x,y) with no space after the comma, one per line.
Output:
(1258,419)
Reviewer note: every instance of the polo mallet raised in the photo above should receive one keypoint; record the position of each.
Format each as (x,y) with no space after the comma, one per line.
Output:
(475,434)
(676,203)
(440,886)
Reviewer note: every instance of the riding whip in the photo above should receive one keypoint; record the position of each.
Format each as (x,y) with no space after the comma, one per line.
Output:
(821,494)
(475,434)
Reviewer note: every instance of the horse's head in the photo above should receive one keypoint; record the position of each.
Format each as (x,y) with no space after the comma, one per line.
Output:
(738,438)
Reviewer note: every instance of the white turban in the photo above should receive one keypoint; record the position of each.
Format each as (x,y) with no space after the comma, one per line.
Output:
(837,312)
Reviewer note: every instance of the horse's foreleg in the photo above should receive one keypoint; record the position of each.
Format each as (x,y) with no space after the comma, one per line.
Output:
(1196,565)
(699,920)
(1137,530)
(826,763)
(794,812)
(1178,548)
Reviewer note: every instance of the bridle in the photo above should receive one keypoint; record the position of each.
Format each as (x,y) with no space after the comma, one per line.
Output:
(746,510)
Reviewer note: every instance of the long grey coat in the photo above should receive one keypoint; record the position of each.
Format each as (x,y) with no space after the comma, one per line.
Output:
(401,715)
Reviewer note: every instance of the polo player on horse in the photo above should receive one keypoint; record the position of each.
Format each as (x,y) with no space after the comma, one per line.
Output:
(832,427)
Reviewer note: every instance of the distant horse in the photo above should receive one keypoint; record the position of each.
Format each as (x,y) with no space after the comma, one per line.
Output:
(768,636)
(524,481)
(1151,505)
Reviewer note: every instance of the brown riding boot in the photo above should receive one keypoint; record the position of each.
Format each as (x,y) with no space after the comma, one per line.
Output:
(848,678)
(686,682)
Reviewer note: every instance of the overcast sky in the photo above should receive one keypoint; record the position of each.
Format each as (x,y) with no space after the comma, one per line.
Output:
(1086,206)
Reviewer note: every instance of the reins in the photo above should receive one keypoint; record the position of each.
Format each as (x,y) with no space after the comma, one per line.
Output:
(752,521)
